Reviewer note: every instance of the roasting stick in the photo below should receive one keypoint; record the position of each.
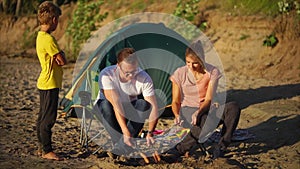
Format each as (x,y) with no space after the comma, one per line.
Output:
(146,159)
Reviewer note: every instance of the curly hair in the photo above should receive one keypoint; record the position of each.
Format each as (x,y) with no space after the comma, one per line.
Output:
(47,11)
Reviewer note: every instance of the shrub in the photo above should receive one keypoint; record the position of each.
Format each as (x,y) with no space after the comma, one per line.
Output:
(84,21)
(270,40)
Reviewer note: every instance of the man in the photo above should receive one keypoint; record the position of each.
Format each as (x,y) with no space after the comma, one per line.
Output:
(122,113)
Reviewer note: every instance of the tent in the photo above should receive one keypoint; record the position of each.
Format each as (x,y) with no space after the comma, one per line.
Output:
(160,51)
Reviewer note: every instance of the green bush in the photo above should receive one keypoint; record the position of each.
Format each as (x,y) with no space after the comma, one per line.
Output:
(28,39)
(251,7)
(84,21)
(244,36)
(289,25)
(270,41)
(187,9)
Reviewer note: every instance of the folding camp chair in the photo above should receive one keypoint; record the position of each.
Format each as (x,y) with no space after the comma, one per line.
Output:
(85,125)
(85,98)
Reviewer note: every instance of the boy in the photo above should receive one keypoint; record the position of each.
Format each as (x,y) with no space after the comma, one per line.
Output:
(50,80)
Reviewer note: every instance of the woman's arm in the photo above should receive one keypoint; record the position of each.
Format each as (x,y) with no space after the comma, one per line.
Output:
(176,102)
(205,106)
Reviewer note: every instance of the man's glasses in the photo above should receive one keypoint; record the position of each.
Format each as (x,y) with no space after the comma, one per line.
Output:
(128,74)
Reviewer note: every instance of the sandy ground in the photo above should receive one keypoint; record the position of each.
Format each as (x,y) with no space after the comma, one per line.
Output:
(273,118)
(264,81)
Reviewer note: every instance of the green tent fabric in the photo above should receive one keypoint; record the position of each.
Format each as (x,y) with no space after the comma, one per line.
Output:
(160,51)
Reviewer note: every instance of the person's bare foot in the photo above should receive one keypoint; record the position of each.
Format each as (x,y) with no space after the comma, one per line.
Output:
(39,152)
(51,156)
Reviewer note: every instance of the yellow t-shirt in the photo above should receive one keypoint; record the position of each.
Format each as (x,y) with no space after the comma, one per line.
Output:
(51,74)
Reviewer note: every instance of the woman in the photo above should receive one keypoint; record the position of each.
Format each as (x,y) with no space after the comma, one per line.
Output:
(193,88)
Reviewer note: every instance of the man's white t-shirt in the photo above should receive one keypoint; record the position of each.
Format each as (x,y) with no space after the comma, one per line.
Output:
(141,83)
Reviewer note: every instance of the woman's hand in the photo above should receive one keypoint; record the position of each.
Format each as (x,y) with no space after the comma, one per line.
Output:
(195,117)
(178,121)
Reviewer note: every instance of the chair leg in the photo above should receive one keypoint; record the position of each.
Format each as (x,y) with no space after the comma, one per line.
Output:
(99,148)
(81,130)
(84,130)
(99,133)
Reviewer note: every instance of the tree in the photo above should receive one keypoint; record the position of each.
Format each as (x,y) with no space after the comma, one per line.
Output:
(19,2)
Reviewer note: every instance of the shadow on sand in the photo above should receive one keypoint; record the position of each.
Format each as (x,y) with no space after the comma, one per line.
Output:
(277,131)
(249,97)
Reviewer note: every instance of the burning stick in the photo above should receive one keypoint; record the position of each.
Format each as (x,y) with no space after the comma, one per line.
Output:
(145,158)
(156,157)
